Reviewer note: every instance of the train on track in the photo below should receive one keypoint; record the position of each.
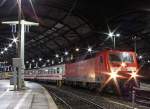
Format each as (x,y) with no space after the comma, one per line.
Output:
(107,69)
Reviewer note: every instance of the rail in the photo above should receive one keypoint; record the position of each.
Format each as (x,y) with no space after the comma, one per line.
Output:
(140,96)
(72,101)
(60,99)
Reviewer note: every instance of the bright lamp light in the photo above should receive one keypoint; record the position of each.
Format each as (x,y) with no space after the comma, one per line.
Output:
(15,40)
(33,60)
(113,75)
(40,59)
(66,53)
(77,49)
(118,35)
(48,60)
(134,75)
(56,55)
(2,52)
(89,49)
(5,49)
(10,45)
(111,34)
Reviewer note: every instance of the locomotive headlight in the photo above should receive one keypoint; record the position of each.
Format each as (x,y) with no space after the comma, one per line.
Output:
(113,75)
(133,74)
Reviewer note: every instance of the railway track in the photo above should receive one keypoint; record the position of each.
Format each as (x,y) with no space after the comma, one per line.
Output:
(142,97)
(78,99)
(62,104)
(71,100)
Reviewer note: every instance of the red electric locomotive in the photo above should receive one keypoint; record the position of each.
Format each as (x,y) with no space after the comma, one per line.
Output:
(107,67)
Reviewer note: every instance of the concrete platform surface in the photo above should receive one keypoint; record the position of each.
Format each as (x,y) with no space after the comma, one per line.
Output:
(33,97)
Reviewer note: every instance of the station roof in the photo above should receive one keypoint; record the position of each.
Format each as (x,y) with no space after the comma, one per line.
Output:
(67,24)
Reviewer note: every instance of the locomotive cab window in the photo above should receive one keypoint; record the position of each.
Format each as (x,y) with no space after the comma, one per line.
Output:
(121,57)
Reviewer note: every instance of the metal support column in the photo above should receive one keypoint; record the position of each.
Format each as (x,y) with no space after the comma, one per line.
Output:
(19,45)
(114,39)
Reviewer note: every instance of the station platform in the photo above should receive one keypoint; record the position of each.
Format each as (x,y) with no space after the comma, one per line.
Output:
(34,96)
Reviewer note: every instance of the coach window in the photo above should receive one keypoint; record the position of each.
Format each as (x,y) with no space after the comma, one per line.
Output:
(51,71)
(101,59)
(63,70)
(60,70)
(54,70)
(57,70)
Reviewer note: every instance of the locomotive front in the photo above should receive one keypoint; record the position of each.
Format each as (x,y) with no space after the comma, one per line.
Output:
(123,69)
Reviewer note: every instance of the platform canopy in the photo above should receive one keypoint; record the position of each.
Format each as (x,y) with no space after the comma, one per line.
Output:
(67,24)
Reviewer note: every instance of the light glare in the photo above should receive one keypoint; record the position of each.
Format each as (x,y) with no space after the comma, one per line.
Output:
(5,49)
(66,53)
(15,40)
(77,49)
(10,45)
(56,55)
(2,52)
(33,60)
(89,49)
(48,60)
(140,57)
(111,34)
(113,75)
(118,35)
(40,59)
(133,75)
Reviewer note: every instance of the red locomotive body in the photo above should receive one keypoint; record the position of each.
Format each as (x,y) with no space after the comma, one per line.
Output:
(83,71)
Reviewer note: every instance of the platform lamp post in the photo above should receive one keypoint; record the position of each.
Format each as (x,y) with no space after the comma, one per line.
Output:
(23,26)
(113,36)
(135,45)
